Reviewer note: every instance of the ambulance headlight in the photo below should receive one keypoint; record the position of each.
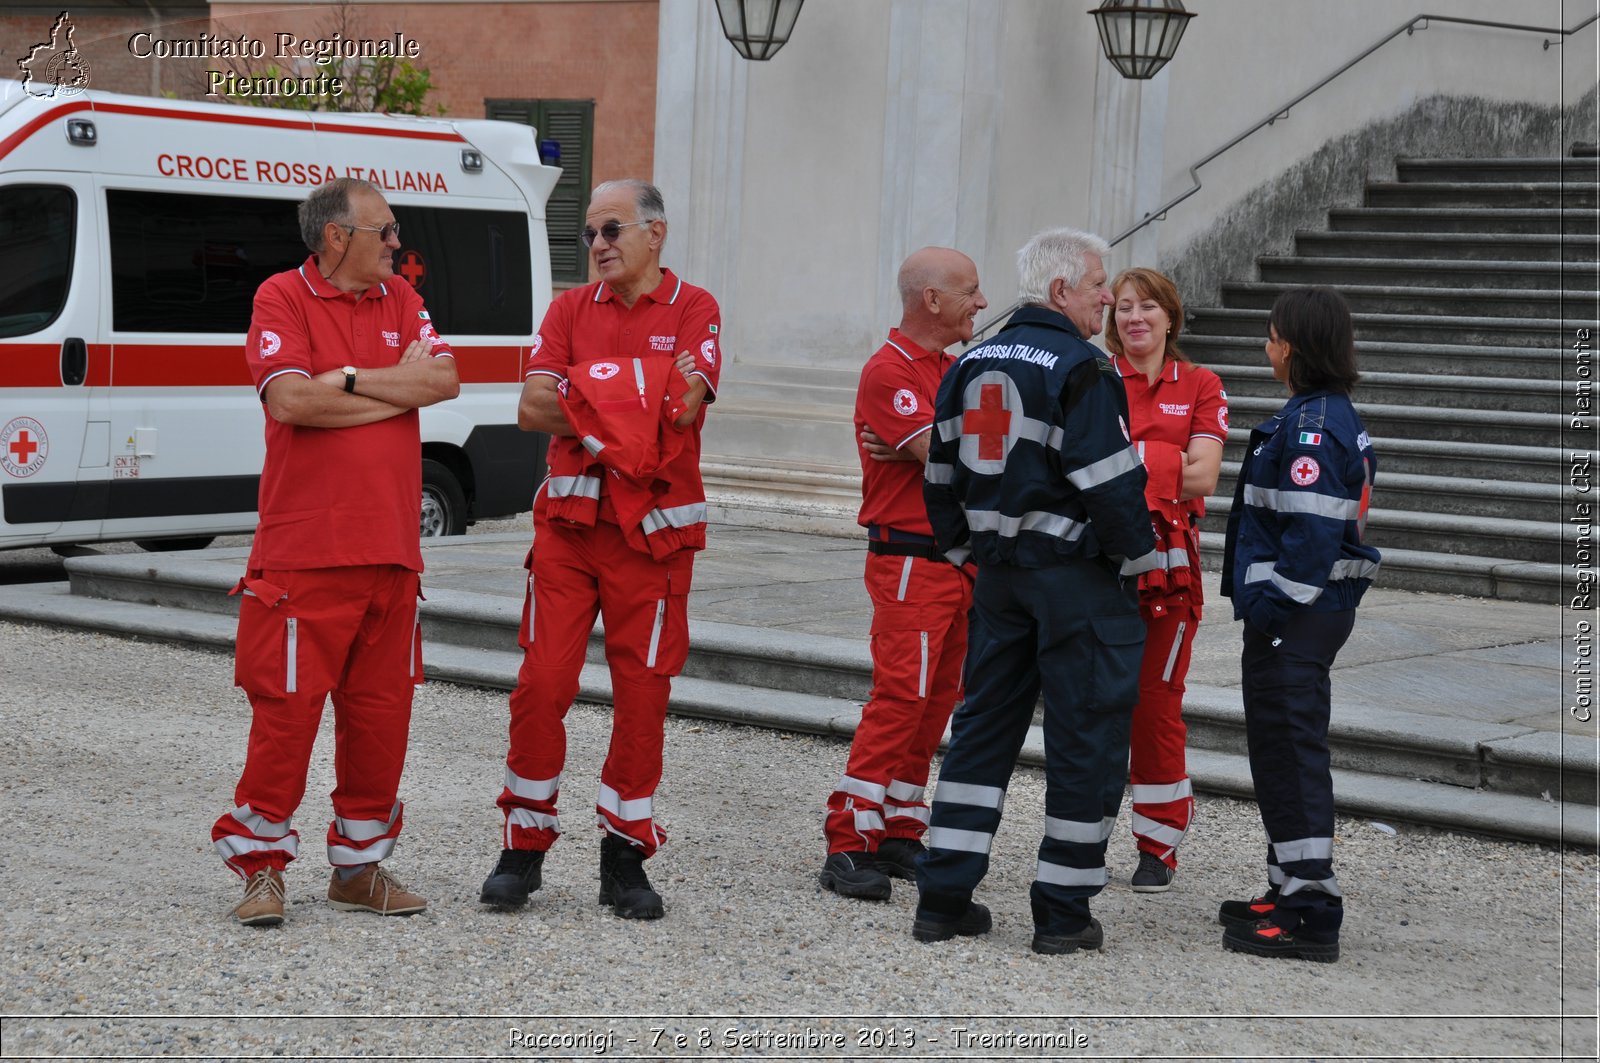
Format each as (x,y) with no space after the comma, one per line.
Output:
(471,161)
(81,131)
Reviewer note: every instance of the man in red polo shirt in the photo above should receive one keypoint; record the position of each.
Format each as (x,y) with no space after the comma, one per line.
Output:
(598,550)
(343,355)
(877,816)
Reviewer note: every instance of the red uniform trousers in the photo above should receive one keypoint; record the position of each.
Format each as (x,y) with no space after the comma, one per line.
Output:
(1163,800)
(919,643)
(303,634)
(575,573)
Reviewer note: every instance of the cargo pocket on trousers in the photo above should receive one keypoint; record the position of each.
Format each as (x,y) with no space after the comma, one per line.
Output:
(668,647)
(1119,647)
(900,652)
(266,654)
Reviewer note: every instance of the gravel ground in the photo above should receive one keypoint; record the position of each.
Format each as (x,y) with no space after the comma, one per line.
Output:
(115,936)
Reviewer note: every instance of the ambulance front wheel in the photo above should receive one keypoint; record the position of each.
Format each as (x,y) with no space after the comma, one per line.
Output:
(444,504)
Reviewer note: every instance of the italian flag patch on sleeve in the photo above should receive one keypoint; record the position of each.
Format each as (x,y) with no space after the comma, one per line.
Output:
(1311,439)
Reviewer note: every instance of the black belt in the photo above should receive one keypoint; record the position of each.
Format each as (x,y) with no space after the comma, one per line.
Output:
(923,550)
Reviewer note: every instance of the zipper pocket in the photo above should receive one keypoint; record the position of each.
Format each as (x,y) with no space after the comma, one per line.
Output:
(655,632)
(1172,654)
(291,655)
(922,679)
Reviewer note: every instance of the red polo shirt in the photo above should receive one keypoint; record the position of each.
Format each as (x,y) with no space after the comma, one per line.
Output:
(895,399)
(590,323)
(332,497)
(1186,402)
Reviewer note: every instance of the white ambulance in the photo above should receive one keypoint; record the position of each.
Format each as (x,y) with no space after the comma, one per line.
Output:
(134,232)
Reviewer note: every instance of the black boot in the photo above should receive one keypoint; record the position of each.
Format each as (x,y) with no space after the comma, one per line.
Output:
(623,883)
(513,878)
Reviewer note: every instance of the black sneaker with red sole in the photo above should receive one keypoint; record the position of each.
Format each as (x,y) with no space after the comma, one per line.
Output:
(1266,938)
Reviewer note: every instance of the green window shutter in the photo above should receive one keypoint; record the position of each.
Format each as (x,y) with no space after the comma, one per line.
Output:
(571,124)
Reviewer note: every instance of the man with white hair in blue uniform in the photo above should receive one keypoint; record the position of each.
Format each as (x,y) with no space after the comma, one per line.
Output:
(1032,475)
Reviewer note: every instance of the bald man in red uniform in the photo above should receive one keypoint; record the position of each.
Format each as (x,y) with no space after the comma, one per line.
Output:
(598,550)
(878,814)
(342,354)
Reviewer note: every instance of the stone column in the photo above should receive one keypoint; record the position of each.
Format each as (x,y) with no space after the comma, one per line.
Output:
(699,146)
(1130,119)
(943,85)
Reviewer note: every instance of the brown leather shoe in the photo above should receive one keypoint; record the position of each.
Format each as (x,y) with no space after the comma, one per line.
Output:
(373,890)
(263,899)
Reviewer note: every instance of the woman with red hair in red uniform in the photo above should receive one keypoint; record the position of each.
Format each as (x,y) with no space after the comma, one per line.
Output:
(1179,421)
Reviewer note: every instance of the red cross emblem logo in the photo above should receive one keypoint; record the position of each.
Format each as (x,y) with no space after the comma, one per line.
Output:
(990,422)
(604,370)
(413,267)
(1305,471)
(23,447)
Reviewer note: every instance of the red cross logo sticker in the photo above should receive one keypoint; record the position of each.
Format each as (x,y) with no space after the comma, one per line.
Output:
(413,267)
(990,422)
(23,447)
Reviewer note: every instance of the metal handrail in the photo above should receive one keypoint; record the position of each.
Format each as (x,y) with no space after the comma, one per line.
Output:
(1408,28)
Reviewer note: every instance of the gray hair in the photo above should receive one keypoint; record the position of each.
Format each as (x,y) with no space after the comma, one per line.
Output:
(1055,253)
(330,203)
(646,196)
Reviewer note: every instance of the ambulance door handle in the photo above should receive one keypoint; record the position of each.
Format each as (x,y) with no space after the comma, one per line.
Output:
(74,361)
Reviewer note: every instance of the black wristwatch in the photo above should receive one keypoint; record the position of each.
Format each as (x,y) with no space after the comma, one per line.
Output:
(349,379)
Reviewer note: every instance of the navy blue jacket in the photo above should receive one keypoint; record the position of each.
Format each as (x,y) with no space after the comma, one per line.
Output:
(1029,462)
(1299,513)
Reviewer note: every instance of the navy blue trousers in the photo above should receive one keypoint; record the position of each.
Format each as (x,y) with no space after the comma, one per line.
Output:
(1287,702)
(1072,630)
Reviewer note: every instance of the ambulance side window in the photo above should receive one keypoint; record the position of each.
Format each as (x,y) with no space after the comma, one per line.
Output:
(471,267)
(37,228)
(189,263)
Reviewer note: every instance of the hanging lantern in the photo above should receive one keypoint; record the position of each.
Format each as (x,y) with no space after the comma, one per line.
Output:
(758,28)
(1140,36)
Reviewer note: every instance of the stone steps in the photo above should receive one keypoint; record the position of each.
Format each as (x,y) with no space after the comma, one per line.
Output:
(1553,194)
(1519,464)
(1466,279)
(1499,778)
(1566,307)
(1427,422)
(1410,359)
(1248,325)
(1493,221)
(1443,535)
(1561,169)
(1513,394)
(1452,495)
(1457,247)
(1536,278)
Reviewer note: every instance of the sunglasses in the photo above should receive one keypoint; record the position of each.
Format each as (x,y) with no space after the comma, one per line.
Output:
(383,231)
(610,230)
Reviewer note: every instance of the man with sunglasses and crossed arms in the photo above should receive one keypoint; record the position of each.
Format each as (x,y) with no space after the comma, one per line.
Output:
(343,354)
(594,554)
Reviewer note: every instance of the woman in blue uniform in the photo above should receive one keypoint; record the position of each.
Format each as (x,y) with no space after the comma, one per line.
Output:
(1296,568)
